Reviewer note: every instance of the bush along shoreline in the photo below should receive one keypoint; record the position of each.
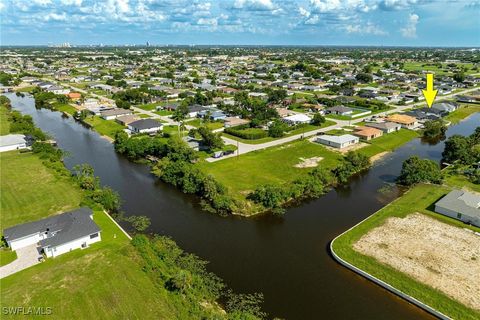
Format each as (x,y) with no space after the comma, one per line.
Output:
(175,164)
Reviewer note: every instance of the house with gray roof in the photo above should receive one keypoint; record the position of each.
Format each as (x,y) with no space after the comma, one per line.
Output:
(460,205)
(386,127)
(338,142)
(57,234)
(11,142)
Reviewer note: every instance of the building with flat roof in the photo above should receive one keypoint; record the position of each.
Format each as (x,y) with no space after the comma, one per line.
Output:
(11,142)
(338,142)
(460,205)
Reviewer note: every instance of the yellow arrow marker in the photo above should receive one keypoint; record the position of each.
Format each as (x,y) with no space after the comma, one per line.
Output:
(429,94)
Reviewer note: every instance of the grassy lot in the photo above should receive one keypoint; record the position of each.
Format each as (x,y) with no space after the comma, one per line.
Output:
(30,191)
(63,107)
(463,112)
(148,106)
(418,199)
(25,89)
(104,127)
(388,142)
(163,112)
(7,256)
(272,165)
(210,125)
(426,66)
(4,123)
(144,116)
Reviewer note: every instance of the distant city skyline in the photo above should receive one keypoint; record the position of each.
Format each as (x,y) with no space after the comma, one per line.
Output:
(242,22)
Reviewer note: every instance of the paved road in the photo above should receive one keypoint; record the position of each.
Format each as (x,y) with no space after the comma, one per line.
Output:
(26,257)
(245,147)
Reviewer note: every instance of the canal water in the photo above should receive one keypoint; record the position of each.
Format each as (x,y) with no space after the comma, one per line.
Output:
(286,258)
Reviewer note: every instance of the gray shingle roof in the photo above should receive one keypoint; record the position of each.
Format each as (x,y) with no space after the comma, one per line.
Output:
(68,226)
(461,201)
(145,124)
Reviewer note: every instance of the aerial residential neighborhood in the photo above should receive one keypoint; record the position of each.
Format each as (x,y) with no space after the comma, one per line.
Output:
(240,159)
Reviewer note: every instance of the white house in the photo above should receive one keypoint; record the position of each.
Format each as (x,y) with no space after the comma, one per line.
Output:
(57,234)
(297,119)
(338,142)
(115,113)
(11,142)
(460,205)
(145,126)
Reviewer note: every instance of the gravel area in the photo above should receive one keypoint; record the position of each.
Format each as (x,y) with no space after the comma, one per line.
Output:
(442,256)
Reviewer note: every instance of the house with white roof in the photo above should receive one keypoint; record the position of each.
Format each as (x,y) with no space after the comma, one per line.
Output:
(338,142)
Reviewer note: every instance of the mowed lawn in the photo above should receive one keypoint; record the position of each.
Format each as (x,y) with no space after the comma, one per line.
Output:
(104,281)
(30,191)
(4,124)
(104,127)
(388,142)
(419,199)
(272,165)
(463,112)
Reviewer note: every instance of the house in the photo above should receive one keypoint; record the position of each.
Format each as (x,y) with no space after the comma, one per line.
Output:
(11,142)
(338,142)
(340,110)
(234,121)
(193,110)
(298,118)
(58,90)
(460,205)
(444,107)
(405,121)
(74,95)
(127,119)
(145,126)
(386,127)
(368,133)
(57,234)
(115,113)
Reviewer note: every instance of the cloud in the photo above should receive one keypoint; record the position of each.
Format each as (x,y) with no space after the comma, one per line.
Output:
(398,4)
(410,30)
(368,28)
(77,3)
(254,5)
(56,17)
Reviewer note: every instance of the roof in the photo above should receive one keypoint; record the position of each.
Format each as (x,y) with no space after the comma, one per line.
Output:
(143,124)
(461,201)
(340,109)
(299,117)
(383,125)
(367,131)
(234,121)
(128,118)
(12,139)
(401,118)
(338,139)
(68,226)
(116,112)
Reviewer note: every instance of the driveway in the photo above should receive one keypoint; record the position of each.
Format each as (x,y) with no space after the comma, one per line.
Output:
(26,257)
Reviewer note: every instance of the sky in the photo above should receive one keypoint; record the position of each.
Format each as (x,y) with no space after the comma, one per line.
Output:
(241,22)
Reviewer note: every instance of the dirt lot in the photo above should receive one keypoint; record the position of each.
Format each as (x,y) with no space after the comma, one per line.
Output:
(309,162)
(437,254)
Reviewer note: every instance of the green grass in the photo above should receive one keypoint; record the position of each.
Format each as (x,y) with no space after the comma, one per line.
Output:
(25,89)
(273,165)
(163,112)
(7,256)
(63,107)
(148,106)
(104,127)
(144,116)
(256,141)
(388,142)
(418,199)
(463,112)
(212,125)
(4,123)
(30,191)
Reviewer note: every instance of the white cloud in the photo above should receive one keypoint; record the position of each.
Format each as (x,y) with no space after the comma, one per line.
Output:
(368,28)
(304,12)
(77,3)
(398,4)
(410,30)
(208,22)
(55,17)
(254,4)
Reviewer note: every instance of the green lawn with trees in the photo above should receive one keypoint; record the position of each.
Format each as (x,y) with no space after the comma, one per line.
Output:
(388,142)
(104,127)
(463,112)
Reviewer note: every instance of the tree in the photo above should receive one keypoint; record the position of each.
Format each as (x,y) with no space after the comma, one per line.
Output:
(318,119)
(277,129)
(270,196)
(459,77)
(210,139)
(458,148)
(416,170)
(364,77)
(434,128)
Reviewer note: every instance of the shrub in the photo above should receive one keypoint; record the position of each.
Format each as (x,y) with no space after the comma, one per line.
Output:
(416,170)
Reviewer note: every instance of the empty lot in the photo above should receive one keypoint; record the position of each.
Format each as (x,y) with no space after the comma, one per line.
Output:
(442,256)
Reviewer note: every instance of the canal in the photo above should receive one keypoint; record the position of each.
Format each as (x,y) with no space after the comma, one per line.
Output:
(286,258)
